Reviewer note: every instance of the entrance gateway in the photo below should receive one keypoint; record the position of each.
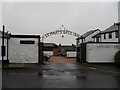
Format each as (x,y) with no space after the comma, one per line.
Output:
(61,30)
(69,51)
(19,46)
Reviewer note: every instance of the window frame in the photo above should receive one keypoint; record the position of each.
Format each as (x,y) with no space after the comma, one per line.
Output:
(116,34)
(110,35)
(104,35)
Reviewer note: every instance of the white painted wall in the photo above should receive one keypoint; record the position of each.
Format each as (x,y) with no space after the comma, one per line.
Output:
(101,52)
(113,39)
(50,53)
(71,53)
(23,53)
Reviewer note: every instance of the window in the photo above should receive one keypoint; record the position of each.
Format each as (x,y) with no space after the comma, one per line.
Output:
(110,35)
(104,36)
(116,34)
(97,39)
(27,42)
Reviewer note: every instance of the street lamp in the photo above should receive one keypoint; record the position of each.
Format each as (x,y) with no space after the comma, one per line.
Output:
(3,47)
(118,24)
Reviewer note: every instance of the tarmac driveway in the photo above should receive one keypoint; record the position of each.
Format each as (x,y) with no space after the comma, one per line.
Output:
(59,75)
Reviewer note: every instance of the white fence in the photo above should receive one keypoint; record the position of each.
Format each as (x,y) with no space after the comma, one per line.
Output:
(50,53)
(71,53)
(101,52)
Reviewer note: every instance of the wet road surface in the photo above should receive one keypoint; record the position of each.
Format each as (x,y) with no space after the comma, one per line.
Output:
(59,75)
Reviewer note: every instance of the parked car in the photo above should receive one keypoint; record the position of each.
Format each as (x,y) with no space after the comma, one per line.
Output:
(62,53)
(45,57)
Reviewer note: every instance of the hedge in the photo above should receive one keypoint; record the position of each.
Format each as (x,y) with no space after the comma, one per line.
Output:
(117,57)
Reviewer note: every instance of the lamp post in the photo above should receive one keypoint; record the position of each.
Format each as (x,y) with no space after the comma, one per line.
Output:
(118,24)
(2,48)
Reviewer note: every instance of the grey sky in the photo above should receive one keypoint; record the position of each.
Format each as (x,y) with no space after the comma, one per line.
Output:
(40,17)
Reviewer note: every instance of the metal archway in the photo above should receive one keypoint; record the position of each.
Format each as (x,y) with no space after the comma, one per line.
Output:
(61,30)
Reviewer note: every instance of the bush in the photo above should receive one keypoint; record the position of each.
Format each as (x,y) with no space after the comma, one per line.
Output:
(117,57)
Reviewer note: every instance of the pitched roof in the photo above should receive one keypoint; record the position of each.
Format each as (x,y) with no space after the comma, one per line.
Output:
(111,29)
(88,33)
(97,35)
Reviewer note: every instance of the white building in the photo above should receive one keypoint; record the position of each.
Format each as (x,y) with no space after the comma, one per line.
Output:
(101,48)
(22,48)
(87,37)
(109,35)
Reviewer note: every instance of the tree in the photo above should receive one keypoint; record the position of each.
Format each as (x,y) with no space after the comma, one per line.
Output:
(117,58)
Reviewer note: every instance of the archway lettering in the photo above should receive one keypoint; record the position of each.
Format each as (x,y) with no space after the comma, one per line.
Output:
(62,30)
